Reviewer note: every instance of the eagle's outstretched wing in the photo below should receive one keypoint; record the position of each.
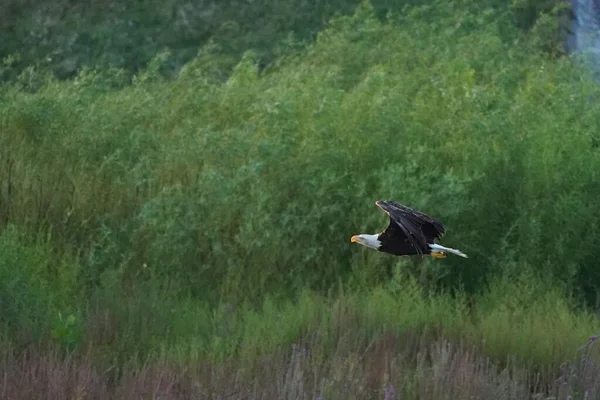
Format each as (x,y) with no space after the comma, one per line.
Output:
(418,227)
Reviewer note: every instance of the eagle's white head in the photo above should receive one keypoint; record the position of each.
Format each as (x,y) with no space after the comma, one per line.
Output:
(364,239)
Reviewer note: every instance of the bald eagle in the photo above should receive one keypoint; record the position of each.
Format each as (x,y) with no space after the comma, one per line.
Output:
(410,232)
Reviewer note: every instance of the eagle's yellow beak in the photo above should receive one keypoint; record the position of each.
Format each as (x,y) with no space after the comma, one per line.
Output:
(355,239)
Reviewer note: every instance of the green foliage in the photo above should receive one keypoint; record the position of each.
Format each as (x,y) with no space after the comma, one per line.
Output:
(255,185)
(66,36)
(32,288)
(66,331)
(209,218)
(527,11)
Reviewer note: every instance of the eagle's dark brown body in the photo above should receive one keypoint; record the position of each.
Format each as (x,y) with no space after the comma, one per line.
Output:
(409,231)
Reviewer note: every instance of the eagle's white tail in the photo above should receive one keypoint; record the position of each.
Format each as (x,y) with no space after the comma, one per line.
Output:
(438,247)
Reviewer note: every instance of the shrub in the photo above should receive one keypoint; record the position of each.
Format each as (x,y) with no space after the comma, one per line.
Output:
(254,185)
(34,292)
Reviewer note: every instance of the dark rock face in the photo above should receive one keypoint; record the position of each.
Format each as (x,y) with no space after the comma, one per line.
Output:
(585,31)
(585,24)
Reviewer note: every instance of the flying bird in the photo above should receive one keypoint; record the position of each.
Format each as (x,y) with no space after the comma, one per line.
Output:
(410,232)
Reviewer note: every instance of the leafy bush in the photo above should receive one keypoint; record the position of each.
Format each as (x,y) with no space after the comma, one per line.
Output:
(66,36)
(33,291)
(255,185)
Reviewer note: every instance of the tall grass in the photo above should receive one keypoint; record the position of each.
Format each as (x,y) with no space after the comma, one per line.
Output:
(389,369)
(352,346)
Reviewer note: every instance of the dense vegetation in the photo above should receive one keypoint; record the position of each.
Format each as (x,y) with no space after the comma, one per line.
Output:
(64,36)
(191,235)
